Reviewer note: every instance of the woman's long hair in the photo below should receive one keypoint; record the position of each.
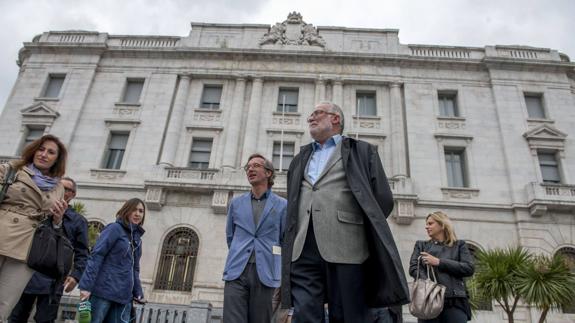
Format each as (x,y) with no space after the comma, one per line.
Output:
(59,167)
(128,208)
(443,220)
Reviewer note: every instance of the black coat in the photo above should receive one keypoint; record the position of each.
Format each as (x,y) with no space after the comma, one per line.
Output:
(455,263)
(76,229)
(386,284)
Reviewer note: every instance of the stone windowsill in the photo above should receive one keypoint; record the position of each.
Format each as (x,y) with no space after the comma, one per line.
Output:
(287,114)
(539,121)
(127,104)
(444,118)
(204,110)
(107,173)
(356,117)
(42,98)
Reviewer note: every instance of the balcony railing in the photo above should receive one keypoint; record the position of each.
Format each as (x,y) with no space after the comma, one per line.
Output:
(543,196)
(6,159)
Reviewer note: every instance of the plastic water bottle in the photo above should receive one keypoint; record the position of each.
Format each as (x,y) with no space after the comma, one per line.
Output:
(84,312)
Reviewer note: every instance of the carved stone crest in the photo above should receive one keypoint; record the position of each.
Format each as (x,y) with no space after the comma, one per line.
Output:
(293,31)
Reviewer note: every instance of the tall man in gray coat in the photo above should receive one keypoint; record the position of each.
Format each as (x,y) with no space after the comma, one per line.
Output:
(338,248)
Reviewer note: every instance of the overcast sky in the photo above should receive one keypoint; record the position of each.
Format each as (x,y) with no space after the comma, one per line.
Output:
(538,23)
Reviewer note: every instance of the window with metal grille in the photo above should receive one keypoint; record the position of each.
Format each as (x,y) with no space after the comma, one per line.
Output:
(284,154)
(116,149)
(448,104)
(534,103)
(366,104)
(549,167)
(455,166)
(200,154)
(54,86)
(287,100)
(211,97)
(178,261)
(133,90)
(94,230)
(569,254)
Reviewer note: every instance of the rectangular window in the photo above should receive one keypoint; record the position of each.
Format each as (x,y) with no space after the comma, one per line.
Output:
(200,155)
(549,167)
(133,91)
(447,104)
(31,135)
(534,103)
(366,104)
(116,149)
(54,86)
(287,100)
(211,97)
(455,165)
(284,154)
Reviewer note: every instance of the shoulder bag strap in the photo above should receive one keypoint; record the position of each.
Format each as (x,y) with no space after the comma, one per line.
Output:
(9,177)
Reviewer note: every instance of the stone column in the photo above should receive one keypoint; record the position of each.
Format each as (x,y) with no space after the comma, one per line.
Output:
(232,129)
(176,122)
(319,91)
(398,147)
(338,92)
(252,124)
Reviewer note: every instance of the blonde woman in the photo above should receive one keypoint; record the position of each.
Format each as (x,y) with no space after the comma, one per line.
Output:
(451,261)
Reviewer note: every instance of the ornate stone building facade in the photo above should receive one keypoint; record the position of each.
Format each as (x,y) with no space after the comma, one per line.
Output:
(485,134)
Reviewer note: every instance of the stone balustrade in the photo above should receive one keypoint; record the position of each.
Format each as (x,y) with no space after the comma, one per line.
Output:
(542,197)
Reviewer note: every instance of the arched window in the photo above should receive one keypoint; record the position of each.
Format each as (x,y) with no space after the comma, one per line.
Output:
(569,254)
(178,260)
(482,304)
(94,230)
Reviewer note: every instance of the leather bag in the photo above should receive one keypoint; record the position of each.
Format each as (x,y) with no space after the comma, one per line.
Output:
(51,252)
(426,295)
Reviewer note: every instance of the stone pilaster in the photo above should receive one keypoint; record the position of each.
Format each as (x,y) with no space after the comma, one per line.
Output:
(175,124)
(319,90)
(252,124)
(232,130)
(398,148)
(337,96)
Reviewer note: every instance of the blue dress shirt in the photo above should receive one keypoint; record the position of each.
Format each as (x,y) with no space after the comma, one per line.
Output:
(320,156)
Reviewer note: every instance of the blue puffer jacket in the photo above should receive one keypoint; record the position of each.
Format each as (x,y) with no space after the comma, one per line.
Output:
(113,270)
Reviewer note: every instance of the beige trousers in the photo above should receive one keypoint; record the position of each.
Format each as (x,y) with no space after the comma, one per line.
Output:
(14,276)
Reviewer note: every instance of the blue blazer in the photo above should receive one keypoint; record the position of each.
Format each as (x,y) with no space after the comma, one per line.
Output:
(243,237)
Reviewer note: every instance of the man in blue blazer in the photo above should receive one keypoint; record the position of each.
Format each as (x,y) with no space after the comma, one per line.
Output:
(254,232)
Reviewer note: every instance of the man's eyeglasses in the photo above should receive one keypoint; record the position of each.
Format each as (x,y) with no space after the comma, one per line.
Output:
(254,165)
(318,113)
(69,190)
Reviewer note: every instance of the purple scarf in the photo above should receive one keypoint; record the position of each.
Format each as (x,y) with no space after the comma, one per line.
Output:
(44,183)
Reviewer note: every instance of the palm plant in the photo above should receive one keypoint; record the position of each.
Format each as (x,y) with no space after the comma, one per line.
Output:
(80,208)
(496,274)
(546,283)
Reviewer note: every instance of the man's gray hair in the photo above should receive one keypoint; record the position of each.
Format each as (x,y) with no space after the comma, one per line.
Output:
(335,109)
(66,178)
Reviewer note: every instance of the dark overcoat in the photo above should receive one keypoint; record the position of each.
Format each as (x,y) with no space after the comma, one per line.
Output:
(386,284)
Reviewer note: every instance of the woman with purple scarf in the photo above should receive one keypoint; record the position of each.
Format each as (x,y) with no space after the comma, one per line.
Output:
(35,194)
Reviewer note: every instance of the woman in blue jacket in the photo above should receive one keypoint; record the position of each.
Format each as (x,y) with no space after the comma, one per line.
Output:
(112,277)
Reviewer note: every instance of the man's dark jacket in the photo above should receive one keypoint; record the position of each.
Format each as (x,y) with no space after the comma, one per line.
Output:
(76,229)
(384,276)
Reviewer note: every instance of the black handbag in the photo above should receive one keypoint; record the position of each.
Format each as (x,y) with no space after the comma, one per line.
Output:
(8,180)
(51,252)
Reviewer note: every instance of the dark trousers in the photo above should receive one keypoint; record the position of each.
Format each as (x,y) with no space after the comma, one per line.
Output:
(315,282)
(45,312)
(246,299)
(450,314)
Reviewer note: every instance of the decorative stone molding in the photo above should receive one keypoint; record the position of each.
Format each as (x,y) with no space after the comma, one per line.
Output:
(447,136)
(207,115)
(404,211)
(545,136)
(286,119)
(366,122)
(127,111)
(450,123)
(220,201)
(121,124)
(273,132)
(155,198)
(293,31)
(107,174)
(405,199)
(39,114)
(459,193)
